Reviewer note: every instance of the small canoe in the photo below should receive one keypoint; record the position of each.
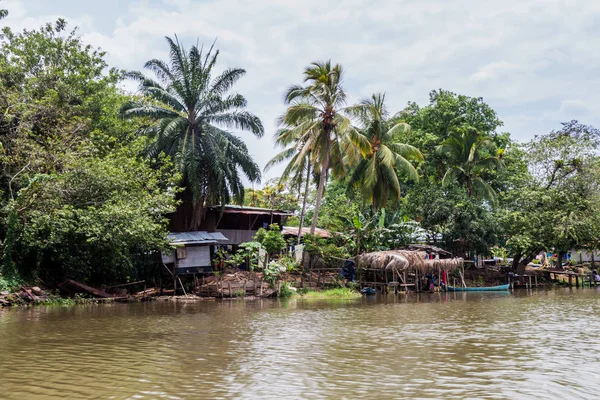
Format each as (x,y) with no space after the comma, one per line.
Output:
(368,291)
(478,289)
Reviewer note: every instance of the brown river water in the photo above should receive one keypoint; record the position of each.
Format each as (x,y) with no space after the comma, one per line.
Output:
(520,345)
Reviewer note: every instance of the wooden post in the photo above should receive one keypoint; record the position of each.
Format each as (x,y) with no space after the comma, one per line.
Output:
(509,285)
(529,281)
(536,283)
(570,279)
(319,277)
(577,281)
(405,282)
(386,282)
(416,281)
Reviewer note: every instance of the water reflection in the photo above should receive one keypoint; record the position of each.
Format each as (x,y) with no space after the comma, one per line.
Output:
(526,344)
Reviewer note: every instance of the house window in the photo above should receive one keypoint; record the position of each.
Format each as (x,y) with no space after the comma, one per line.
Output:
(181,253)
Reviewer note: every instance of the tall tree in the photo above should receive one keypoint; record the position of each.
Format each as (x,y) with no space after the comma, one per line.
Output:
(377,173)
(469,159)
(554,203)
(76,200)
(297,153)
(315,113)
(190,110)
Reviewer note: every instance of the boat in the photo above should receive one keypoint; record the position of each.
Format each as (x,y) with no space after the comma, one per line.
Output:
(368,291)
(478,289)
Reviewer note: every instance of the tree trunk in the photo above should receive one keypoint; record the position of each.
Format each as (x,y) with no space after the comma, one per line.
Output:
(306,186)
(322,179)
(559,258)
(197,215)
(516,260)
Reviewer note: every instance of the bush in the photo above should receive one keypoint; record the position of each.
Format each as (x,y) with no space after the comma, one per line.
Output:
(272,272)
(286,290)
(9,283)
(92,221)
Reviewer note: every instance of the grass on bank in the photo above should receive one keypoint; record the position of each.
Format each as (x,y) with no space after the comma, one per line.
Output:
(337,293)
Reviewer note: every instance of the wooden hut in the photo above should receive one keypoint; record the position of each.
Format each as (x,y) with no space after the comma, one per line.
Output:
(401,268)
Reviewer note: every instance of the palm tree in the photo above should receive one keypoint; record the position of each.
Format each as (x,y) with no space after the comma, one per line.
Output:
(468,156)
(377,172)
(191,111)
(316,120)
(299,159)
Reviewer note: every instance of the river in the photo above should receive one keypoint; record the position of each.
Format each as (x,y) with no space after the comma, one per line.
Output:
(526,345)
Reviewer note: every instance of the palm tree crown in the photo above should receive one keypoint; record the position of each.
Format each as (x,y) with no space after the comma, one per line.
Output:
(468,156)
(191,111)
(315,121)
(377,172)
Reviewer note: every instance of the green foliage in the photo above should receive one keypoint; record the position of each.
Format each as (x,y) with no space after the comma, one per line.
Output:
(378,174)
(328,251)
(56,300)
(470,157)
(3,13)
(554,203)
(314,122)
(271,240)
(275,196)
(190,109)
(77,200)
(54,93)
(8,283)
(249,251)
(380,230)
(286,290)
(89,221)
(337,293)
(452,219)
(272,272)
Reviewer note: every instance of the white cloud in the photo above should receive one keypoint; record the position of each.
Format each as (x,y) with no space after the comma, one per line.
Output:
(494,71)
(534,61)
(574,109)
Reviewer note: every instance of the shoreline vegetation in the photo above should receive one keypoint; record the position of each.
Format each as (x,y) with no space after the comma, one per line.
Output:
(93,177)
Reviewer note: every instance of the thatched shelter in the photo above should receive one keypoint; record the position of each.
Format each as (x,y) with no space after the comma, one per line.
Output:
(392,260)
(394,266)
(402,260)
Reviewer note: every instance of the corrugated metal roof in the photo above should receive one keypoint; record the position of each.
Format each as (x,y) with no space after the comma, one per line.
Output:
(196,237)
(236,209)
(293,231)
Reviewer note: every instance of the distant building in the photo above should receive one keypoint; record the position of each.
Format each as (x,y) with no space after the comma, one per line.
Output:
(193,252)
(229,226)
(237,223)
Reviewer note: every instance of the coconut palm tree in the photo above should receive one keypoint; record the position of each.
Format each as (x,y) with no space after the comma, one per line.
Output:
(297,152)
(315,115)
(468,155)
(377,173)
(191,111)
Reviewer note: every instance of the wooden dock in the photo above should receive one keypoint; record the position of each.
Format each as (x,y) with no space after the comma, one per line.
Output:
(573,278)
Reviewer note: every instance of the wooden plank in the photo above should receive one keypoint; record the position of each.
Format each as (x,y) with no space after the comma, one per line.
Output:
(88,289)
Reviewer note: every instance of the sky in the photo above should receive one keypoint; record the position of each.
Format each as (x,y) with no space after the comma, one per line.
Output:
(534,61)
